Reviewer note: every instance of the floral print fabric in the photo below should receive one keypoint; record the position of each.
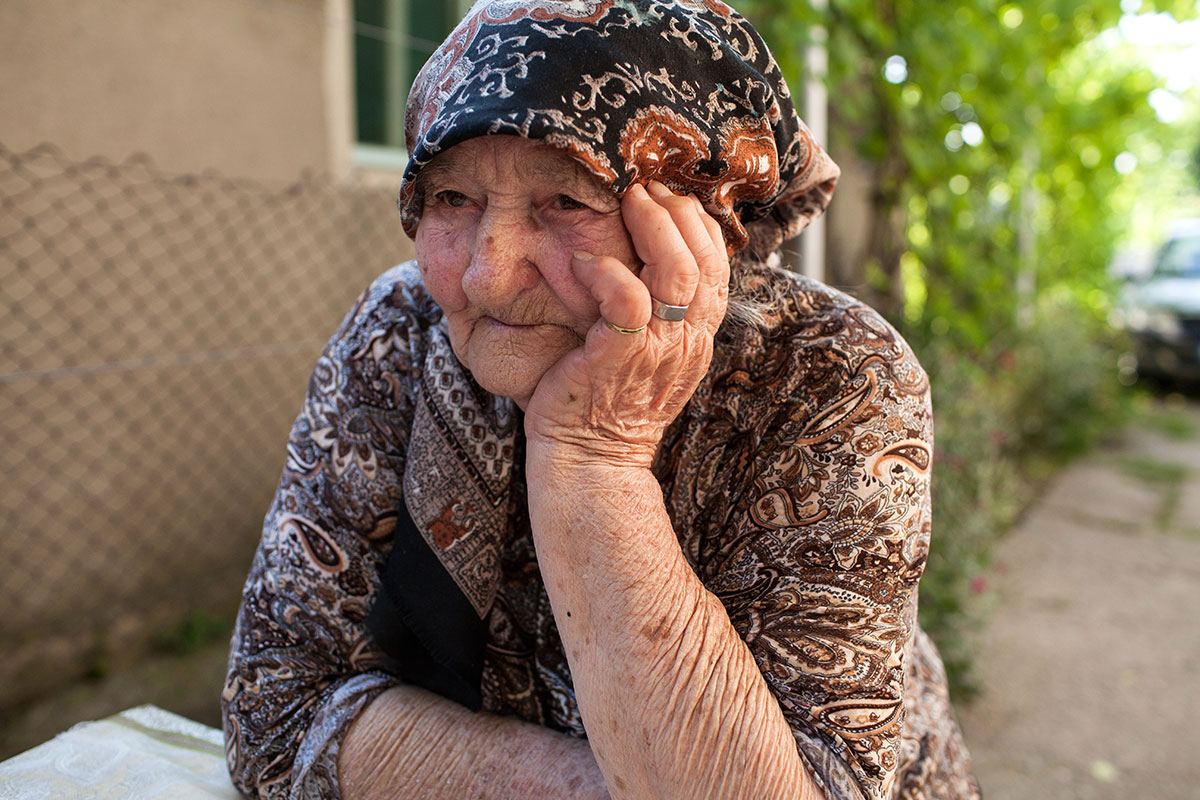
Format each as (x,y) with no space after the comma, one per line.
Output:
(797,480)
(685,93)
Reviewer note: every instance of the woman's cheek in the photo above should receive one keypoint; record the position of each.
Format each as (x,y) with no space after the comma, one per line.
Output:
(554,260)
(442,259)
(605,236)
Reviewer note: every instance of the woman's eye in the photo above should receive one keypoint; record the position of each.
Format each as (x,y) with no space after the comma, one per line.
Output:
(451,198)
(564,202)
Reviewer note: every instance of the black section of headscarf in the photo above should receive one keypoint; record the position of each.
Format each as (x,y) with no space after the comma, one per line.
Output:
(680,91)
(423,621)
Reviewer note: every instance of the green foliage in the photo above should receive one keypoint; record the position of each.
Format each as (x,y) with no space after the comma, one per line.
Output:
(995,151)
(1006,416)
(1148,470)
(1171,422)
(1067,392)
(1165,475)
(998,150)
(193,633)
(975,495)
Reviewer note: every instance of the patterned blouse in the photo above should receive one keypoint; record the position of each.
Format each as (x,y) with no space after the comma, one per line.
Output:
(797,480)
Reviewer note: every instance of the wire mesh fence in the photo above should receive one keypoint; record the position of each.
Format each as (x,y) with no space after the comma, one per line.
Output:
(156,337)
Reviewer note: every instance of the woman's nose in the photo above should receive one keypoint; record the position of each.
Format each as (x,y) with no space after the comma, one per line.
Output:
(502,259)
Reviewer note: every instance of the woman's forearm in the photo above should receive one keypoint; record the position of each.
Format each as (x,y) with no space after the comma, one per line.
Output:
(409,743)
(673,702)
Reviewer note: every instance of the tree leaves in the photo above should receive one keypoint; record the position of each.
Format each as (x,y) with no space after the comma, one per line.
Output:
(1013,102)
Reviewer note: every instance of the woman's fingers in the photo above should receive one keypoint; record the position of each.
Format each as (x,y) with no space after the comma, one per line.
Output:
(623,299)
(713,289)
(684,265)
(653,216)
(683,250)
(636,371)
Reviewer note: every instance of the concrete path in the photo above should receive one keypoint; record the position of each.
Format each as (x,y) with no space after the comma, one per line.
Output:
(1090,663)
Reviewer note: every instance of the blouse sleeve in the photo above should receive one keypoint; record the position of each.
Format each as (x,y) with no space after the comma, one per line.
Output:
(302,665)
(824,535)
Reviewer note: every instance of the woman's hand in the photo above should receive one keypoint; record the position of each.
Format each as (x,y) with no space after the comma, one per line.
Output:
(673,701)
(612,398)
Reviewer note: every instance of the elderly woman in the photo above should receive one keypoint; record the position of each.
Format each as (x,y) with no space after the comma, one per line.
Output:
(593,499)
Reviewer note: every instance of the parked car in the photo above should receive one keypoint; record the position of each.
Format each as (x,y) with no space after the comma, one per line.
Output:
(1161,310)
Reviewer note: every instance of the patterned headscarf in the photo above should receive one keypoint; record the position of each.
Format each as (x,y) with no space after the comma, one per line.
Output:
(683,92)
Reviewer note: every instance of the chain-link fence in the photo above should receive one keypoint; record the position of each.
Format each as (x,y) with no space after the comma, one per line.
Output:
(156,337)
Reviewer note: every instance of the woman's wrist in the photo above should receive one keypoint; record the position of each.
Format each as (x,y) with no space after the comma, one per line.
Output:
(570,453)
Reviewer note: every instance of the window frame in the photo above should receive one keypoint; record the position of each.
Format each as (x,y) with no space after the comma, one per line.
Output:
(373,155)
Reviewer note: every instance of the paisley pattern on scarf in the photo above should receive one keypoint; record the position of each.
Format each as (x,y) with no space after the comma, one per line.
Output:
(797,480)
(711,115)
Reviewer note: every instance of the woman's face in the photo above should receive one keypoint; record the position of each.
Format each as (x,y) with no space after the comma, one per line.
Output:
(501,219)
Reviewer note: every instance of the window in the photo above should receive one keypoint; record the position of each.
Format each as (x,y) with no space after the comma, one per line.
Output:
(392,39)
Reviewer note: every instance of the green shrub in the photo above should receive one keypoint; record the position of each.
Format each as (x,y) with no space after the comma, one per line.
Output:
(1004,419)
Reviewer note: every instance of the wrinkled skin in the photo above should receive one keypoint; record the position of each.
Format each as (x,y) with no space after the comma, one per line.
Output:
(527,255)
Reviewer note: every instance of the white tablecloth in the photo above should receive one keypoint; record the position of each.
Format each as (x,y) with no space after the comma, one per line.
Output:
(141,753)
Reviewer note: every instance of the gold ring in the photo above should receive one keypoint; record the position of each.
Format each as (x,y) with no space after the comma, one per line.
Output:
(626,331)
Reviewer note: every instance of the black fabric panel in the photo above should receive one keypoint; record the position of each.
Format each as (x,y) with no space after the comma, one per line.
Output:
(422,620)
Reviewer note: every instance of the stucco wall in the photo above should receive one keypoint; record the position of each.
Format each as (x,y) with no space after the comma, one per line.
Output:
(235,85)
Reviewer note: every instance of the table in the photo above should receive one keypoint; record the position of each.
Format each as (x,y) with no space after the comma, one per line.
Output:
(143,753)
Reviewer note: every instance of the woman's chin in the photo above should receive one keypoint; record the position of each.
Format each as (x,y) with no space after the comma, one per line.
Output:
(511,375)
(512,365)
(517,388)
